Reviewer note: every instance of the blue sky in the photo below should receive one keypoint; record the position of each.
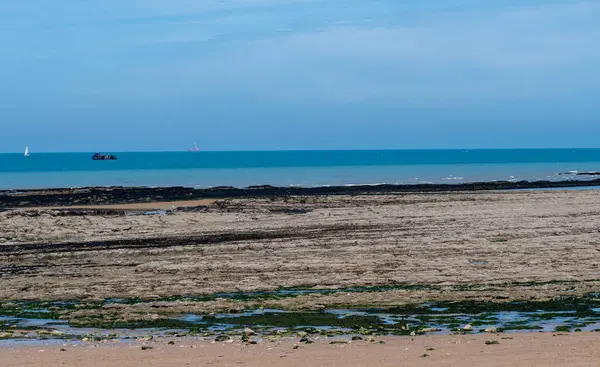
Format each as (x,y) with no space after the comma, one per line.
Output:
(117,75)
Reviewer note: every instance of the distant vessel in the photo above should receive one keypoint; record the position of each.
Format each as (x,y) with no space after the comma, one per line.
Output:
(101,157)
(26,152)
(194,149)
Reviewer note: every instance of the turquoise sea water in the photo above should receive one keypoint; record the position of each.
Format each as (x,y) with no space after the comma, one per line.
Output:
(283,168)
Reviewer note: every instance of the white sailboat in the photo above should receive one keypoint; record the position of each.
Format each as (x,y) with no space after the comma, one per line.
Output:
(194,149)
(26,152)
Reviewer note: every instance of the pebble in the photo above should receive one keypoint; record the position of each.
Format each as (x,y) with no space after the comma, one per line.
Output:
(248,331)
(468,327)
(491,330)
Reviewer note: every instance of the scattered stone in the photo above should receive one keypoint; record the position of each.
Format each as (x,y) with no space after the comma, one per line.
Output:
(57,333)
(296,346)
(222,338)
(412,333)
(302,333)
(357,338)
(491,342)
(425,355)
(171,343)
(86,339)
(381,342)
(468,327)
(63,350)
(364,331)
(248,331)
(430,329)
(430,349)
(339,342)
(5,335)
(146,347)
(491,329)
(146,338)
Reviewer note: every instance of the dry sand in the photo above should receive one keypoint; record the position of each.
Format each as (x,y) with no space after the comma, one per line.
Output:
(529,350)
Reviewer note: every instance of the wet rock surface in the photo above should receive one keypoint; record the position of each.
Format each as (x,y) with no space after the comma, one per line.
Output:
(128,195)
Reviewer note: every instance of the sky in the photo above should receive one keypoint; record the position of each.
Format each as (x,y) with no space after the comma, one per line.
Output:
(117,75)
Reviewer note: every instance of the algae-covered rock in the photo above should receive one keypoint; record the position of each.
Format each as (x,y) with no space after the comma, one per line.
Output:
(222,338)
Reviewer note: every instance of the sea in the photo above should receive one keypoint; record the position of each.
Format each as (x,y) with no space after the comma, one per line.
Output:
(293,168)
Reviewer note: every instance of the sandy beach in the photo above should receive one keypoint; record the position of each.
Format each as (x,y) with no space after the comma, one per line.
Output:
(355,251)
(527,350)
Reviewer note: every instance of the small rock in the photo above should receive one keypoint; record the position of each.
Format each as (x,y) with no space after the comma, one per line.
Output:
(63,350)
(468,327)
(491,329)
(171,343)
(430,330)
(146,338)
(357,338)
(57,333)
(296,346)
(86,339)
(302,334)
(4,335)
(412,333)
(248,331)
(222,338)
(146,347)
(339,342)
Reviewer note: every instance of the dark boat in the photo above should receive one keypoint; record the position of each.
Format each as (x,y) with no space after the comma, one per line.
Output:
(101,157)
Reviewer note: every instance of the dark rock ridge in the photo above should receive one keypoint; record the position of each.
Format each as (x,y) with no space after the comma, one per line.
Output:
(128,195)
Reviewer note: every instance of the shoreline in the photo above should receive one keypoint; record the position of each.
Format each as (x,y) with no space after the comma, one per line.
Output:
(125,195)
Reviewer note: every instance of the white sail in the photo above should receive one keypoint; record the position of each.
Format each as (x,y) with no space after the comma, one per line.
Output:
(26,152)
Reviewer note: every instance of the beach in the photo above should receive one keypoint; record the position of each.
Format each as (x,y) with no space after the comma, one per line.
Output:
(527,350)
(145,266)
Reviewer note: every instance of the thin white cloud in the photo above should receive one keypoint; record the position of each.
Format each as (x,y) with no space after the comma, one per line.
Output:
(458,57)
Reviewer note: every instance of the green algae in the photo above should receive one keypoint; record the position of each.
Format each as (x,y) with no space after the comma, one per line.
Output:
(297,319)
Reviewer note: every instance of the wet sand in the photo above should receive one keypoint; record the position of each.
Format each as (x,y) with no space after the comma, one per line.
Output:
(528,349)
(155,205)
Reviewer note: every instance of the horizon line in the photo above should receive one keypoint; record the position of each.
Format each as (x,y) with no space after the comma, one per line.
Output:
(298,150)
